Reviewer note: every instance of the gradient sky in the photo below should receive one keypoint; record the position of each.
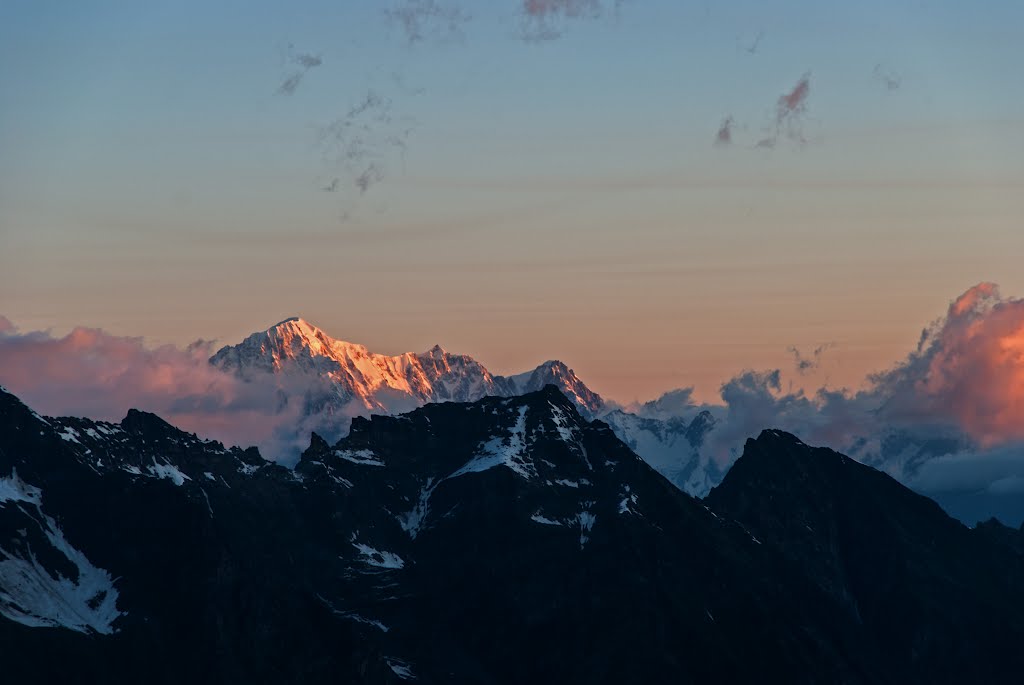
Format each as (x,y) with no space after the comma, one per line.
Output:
(554,199)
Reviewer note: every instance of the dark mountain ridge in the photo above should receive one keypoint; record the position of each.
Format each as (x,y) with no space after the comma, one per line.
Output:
(931,590)
(501,541)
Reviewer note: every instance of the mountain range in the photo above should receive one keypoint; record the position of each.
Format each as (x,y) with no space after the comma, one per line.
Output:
(507,540)
(320,383)
(332,381)
(359,380)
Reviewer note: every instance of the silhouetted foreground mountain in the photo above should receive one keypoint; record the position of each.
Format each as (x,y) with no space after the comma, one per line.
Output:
(504,541)
(937,597)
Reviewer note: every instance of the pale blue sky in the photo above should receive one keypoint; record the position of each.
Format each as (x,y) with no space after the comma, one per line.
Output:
(561,199)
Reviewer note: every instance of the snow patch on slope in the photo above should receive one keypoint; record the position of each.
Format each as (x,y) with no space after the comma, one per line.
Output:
(375,557)
(247,469)
(628,500)
(412,522)
(32,596)
(13,489)
(361,457)
(69,434)
(400,668)
(570,483)
(362,619)
(540,518)
(507,451)
(169,472)
(586,521)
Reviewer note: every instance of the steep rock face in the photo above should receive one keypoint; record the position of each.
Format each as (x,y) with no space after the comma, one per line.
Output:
(941,600)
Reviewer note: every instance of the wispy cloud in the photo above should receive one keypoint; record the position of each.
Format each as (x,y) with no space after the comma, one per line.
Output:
(369,176)
(751,47)
(885,75)
(790,109)
(724,134)
(308,61)
(364,140)
(299,63)
(421,20)
(787,124)
(807,363)
(545,20)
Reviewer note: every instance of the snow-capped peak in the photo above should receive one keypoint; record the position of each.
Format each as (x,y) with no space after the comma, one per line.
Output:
(295,327)
(347,377)
(298,336)
(292,340)
(435,352)
(557,373)
(331,378)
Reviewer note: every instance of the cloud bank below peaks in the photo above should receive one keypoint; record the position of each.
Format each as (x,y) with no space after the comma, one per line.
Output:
(89,372)
(949,418)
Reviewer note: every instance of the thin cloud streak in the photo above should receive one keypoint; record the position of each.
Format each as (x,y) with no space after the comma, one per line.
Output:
(302,62)
(806,364)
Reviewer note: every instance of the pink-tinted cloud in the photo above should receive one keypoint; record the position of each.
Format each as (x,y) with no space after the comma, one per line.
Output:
(969,368)
(795,101)
(953,408)
(975,299)
(790,109)
(967,374)
(91,373)
(958,397)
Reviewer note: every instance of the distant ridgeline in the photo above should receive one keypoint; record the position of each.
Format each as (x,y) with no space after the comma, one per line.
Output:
(320,383)
(506,540)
